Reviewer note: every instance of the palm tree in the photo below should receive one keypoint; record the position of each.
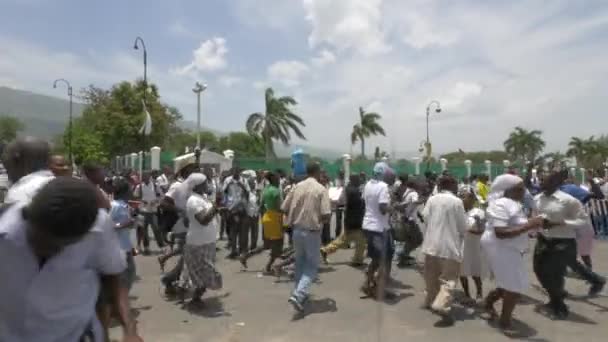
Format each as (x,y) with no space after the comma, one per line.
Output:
(276,123)
(589,153)
(367,126)
(523,144)
(576,149)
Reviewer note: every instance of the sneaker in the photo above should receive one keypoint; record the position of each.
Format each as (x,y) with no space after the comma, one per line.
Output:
(596,288)
(243,260)
(296,304)
(324,257)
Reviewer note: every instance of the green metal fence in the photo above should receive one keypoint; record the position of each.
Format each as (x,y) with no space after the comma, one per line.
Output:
(400,166)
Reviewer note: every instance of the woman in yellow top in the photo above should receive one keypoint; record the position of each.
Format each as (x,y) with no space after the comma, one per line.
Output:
(272,222)
(483,189)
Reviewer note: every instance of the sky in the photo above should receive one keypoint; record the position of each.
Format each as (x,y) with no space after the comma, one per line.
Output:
(492,64)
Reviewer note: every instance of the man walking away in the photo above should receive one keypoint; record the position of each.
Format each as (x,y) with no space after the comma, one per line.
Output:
(376,227)
(445,217)
(308,208)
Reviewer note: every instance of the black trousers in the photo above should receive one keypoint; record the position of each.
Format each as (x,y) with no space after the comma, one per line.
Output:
(238,230)
(584,271)
(551,258)
(339,216)
(326,234)
(150,219)
(254,231)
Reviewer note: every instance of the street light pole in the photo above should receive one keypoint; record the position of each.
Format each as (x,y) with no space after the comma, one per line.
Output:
(136,47)
(70,117)
(428,140)
(198,89)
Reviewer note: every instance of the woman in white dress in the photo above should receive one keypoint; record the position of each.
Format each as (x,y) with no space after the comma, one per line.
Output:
(505,241)
(474,263)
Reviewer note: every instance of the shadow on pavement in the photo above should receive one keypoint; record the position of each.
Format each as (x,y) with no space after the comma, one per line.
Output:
(519,331)
(316,306)
(572,317)
(211,307)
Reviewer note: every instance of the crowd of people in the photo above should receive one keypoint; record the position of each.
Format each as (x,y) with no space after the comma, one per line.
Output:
(71,234)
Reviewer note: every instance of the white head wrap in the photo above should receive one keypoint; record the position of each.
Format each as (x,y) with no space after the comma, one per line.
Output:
(501,184)
(194,179)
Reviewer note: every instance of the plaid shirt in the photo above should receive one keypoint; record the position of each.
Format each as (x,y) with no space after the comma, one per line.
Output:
(306,203)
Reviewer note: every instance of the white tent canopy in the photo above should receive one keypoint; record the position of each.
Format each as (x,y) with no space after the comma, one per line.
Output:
(208,159)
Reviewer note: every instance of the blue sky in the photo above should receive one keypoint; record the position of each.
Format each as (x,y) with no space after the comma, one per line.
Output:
(492,64)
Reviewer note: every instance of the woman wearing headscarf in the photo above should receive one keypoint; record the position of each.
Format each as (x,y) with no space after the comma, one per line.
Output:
(505,241)
(199,251)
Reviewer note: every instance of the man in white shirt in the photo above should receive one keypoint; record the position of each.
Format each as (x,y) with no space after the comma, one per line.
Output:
(148,193)
(63,244)
(556,244)
(26,162)
(376,228)
(446,226)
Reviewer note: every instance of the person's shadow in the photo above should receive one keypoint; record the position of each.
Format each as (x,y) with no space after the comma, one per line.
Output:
(520,330)
(211,307)
(316,306)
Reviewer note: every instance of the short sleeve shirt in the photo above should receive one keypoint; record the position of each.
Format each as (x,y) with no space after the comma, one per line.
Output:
(504,213)
(271,197)
(199,234)
(54,303)
(375,193)
(120,213)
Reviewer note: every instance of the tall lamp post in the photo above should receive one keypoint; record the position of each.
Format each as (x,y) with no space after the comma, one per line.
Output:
(61,80)
(139,40)
(428,140)
(198,89)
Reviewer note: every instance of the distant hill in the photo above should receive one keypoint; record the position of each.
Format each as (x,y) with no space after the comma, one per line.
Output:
(43,116)
(46,117)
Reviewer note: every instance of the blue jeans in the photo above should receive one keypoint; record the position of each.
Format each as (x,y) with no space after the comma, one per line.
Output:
(307,245)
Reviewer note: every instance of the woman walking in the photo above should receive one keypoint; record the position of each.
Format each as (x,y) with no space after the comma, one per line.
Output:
(199,251)
(505,242)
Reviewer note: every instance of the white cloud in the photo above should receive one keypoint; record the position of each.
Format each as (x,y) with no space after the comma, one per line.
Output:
(347,24)
(288,73)
(229,81)
(210,56)
(324,58)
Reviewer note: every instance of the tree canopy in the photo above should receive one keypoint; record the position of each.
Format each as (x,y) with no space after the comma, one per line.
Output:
(9,128)
(524,145)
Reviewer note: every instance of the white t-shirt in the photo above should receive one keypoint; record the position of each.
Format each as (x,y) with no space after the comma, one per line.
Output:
(27,187)
(148,195)
(375,193)
(179,193)
(198,234)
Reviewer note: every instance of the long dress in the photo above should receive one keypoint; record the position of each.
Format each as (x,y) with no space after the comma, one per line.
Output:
(506,256)
(474,263)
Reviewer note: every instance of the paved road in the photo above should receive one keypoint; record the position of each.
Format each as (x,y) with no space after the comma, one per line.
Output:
(254,308)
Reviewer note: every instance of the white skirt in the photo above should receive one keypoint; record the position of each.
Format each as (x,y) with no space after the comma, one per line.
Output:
(474,263)
(507,264)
